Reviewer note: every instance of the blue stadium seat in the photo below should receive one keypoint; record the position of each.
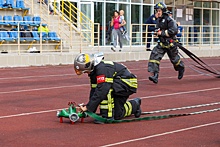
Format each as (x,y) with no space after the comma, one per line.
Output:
(37,21)
(52,36)
(4,36)
(18,19)
(13,35)
(20,4)
(44,36)
(35,36)
(10,2)
(2,3)
(8,20)
(27,21)
(1,22)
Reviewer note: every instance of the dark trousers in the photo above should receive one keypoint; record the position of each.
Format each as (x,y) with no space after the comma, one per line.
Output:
(158,53)
(119,107)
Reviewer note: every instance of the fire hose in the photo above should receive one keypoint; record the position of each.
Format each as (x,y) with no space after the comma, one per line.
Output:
(74,116)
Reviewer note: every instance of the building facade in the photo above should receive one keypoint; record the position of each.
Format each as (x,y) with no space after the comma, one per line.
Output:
(187,12)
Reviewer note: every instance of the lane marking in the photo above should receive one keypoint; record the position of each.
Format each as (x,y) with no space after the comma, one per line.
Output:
(162,134)
(30,113)
(153,96)
(171,77)
(43,76)
(69,86)
(179,93)
(73,74)
(39,89)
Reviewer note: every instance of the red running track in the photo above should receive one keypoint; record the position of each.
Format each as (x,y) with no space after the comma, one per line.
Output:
(30,97)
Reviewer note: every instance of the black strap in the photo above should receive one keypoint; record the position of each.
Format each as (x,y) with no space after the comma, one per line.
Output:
(195,58)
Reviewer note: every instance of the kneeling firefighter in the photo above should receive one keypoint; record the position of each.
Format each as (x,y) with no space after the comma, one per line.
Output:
(167,43)
(111,85)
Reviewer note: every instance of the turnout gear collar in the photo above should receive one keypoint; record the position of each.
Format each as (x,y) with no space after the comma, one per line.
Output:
(84,63)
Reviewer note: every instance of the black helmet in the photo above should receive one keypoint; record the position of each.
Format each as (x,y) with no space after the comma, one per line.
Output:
(161,6)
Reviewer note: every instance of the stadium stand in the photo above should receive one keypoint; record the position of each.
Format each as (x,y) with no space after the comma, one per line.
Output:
(23,29)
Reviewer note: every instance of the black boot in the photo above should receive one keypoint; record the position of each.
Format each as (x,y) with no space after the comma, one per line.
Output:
(138,111)
(181,73)
(154,78)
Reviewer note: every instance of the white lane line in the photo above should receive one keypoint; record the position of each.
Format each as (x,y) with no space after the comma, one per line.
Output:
(162,134)
(30,113)
(153,96)
(179,93)
(43,76)
(39,89)
(59,87)
(73,74)
(173,77)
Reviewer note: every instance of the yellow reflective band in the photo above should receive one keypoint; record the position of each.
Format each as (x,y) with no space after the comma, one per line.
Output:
(129,108)
(93,85)
(154,61)
(110,107)
(166,46)
(103,106)
(132,82)
(178,63)
(108,62)
(109,80)
(126,109)
(114,74)
(104,102)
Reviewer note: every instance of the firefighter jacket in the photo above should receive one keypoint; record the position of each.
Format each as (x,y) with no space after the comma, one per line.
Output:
(168,28)
(106,76)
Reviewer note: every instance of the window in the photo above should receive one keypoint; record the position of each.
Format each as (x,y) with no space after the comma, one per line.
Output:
(207,4)
(136,1)
(197,4)
(147,1)
(179,2)
(98,9)
(189,2)
(215,5)
(110,7)
(126,8)
(169,2)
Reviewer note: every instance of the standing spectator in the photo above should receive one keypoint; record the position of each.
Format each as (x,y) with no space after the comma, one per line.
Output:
(151,27)
(50,9)
(46,2)
(180,32)
(116,31)
(122,21)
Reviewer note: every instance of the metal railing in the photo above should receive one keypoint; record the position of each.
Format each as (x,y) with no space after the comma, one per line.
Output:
(14,42)
(199,36)
(68,13)
(81,22)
